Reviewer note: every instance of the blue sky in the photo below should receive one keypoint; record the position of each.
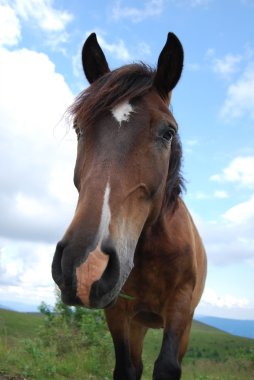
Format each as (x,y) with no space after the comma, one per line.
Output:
(40,73)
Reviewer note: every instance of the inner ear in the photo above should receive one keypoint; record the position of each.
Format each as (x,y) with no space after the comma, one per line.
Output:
(169,67)
(93,59)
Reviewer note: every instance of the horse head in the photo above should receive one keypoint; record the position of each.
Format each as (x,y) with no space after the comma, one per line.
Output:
(127,170)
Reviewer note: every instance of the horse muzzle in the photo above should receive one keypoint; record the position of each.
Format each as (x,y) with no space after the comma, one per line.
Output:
(92,280)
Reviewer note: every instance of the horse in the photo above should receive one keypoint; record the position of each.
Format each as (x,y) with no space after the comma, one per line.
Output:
(132,247)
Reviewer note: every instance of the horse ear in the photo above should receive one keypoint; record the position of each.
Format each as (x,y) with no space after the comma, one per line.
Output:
(169,67)
(93,59)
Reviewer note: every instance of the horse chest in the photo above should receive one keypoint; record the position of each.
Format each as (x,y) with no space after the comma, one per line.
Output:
(152,282)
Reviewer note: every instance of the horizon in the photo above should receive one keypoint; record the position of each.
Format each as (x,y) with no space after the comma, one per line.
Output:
(237,327)
(32,308)
(41,73)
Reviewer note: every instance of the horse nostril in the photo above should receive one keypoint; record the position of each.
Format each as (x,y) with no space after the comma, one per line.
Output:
(105,289)
(107,247)
(56,265)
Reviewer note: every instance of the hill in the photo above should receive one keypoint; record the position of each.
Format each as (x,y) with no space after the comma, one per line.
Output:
(18,325)
(19,306)
(244,328)
(31,349)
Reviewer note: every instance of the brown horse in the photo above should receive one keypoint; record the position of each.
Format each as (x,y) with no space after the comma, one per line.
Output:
(132,247)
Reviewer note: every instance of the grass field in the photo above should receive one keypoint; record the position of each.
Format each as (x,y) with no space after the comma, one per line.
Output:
(212,354)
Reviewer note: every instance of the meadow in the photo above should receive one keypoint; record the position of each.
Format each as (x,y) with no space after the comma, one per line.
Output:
(70,344)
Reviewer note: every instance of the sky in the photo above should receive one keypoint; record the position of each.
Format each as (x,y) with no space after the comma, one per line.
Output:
(40,75)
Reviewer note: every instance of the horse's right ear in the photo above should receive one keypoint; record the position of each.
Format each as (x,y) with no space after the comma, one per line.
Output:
(169,67)
(93,59)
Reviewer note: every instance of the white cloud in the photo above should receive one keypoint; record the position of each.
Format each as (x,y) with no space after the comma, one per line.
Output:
(43,13)
(151,8)
(191,3)
(30,151)
(240,170)
(190,145)
(239,100)
(221,194)
(10,30)
(36,13)
(228,240)
(37,196)
(241,213)
(200,195)
(227,301)
(77,65)
(117,49)
(227,65)
(143,49)
(215,177)
(196,3)
(25,272)
(56,40)
(191,142)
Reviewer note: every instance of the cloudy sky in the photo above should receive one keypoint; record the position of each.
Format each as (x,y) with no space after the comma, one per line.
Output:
(40,74)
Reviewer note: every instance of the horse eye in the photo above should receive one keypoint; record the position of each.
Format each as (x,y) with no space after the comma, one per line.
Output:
(169,134)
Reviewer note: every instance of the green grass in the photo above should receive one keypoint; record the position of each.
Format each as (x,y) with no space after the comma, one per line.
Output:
(212,355)
(35,352)
(17,325)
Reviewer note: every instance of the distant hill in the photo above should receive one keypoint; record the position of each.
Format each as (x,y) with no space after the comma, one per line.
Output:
(4,307)
(17,324)
(244,328)
(18,306)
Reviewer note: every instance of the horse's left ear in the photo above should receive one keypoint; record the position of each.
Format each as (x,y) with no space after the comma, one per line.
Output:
(169,67)
(93,59)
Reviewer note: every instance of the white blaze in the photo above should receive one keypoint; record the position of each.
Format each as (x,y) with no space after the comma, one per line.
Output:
(105,216)
(96,262)
(122,112)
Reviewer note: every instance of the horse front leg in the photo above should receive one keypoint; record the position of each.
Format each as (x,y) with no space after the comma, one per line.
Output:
(167,366)
(177,325)
(137,335)
(119,328)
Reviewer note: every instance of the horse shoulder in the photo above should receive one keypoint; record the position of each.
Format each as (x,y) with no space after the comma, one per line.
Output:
(173,249)
(184,239)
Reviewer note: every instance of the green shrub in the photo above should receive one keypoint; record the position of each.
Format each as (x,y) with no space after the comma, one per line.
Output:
(68,330)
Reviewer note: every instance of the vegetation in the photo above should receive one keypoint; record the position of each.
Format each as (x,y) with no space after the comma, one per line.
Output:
(73,343)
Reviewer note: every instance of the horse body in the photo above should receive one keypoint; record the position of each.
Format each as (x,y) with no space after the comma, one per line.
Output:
(131,232)
(169,258)
(165,286)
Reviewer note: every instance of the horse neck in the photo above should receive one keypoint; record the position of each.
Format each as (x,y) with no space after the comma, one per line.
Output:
(158,230)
